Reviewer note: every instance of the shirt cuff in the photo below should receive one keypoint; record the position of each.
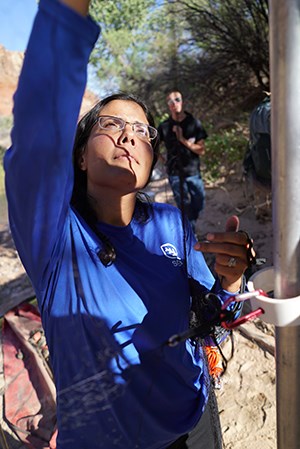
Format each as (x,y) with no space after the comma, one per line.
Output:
(85,27)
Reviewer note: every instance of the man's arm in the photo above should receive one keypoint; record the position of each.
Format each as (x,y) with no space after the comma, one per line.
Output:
(196,147)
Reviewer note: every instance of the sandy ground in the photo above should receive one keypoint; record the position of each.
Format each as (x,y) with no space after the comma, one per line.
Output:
(247,397)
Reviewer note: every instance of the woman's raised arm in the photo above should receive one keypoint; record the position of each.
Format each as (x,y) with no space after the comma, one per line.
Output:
(38,166)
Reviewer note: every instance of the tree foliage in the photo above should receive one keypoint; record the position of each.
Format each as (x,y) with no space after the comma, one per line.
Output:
(121,51)
(232,62)
(214,51)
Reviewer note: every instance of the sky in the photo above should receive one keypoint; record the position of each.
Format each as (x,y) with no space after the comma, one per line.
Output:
(16,19)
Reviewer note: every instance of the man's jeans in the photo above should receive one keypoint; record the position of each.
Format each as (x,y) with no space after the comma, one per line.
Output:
(193,195)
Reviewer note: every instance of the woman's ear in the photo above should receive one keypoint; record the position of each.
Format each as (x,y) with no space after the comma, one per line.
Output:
(82,162)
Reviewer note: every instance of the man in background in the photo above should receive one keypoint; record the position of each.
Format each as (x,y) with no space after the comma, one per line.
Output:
(183,136)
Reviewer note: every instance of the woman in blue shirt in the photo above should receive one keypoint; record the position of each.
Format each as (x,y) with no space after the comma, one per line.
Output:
(111,272)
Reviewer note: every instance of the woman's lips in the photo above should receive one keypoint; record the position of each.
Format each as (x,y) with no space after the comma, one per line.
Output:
(127,156)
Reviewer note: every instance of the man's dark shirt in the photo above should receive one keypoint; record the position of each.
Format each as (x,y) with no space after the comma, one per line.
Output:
(181,160)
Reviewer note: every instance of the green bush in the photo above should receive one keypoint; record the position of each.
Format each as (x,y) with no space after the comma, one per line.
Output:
(2,151)
(224,149)
(6,123)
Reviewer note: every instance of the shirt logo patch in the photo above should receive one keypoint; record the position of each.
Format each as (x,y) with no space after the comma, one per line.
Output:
(171,252)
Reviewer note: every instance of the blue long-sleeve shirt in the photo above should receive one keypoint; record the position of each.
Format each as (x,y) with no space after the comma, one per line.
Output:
(118,385)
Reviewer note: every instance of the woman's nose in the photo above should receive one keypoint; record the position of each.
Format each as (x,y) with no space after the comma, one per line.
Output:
(128,135)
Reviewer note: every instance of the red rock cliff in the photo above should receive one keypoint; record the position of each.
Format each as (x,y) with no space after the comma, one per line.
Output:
(10,66)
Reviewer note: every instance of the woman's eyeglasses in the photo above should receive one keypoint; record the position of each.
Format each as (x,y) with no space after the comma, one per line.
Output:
(115,124)
(175,100)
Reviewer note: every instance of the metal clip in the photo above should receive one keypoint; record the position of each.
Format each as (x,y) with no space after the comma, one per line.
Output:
(249,316)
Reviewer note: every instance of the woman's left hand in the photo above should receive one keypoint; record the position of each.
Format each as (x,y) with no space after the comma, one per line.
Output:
(231,249)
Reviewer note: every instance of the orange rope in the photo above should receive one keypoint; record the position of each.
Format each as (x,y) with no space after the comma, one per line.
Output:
(214,359)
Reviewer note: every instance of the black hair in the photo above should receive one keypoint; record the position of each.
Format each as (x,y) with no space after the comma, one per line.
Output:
(80,200)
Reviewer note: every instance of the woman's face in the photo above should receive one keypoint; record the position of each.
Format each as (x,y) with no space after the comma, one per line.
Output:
(118,159)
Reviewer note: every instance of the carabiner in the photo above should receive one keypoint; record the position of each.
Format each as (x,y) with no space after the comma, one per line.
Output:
(249,316)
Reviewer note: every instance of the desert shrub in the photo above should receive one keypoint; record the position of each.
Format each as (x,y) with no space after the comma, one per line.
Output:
(225,151)
(6,123)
